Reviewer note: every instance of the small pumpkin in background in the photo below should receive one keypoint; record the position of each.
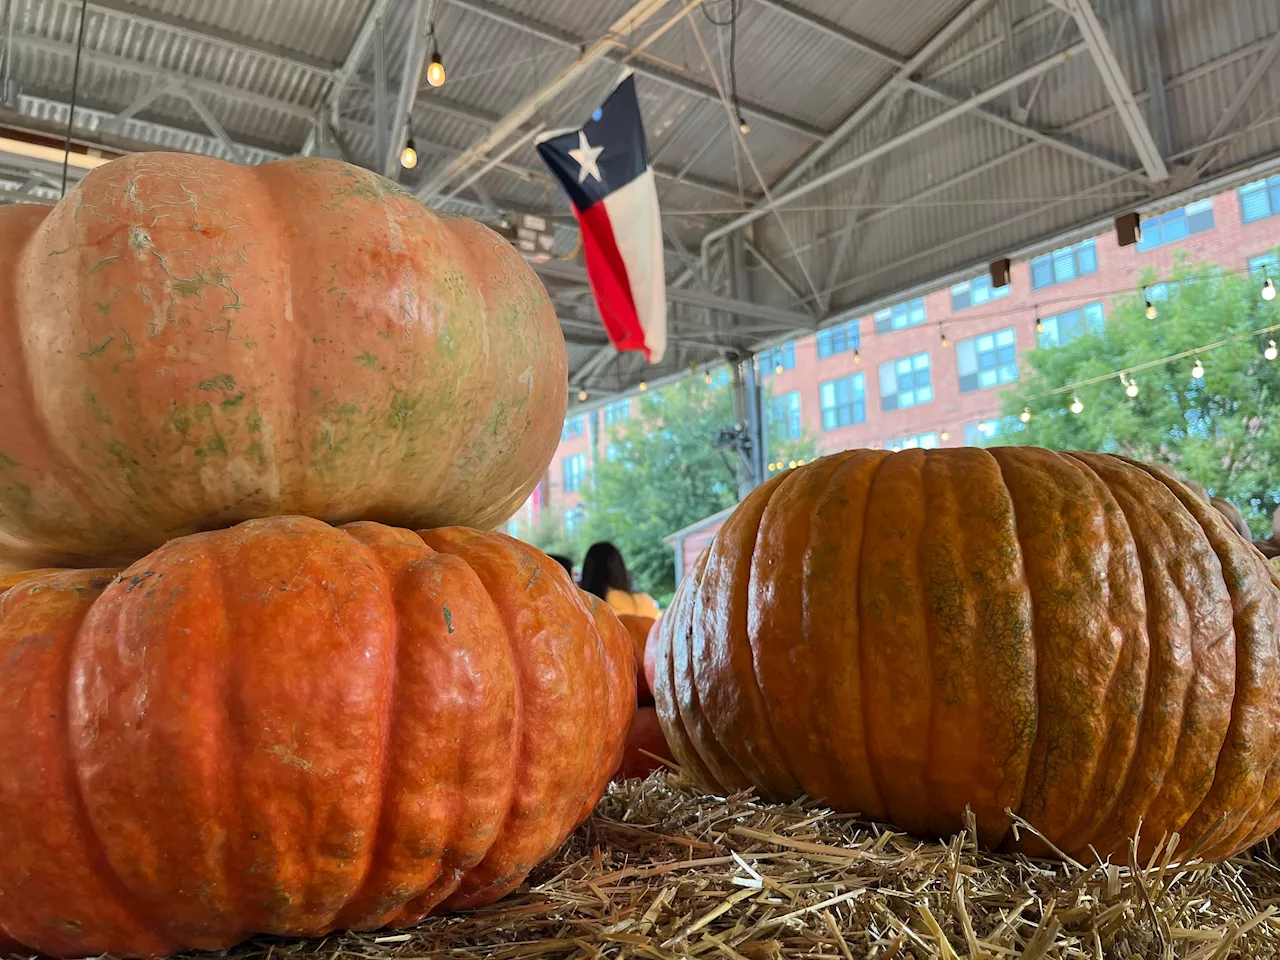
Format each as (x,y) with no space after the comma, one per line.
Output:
(186,343)
(1077,637)
(645,741)
(289,728)
(651,652)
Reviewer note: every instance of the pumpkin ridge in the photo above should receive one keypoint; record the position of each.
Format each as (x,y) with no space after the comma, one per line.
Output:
(862,646)
(1008,843)
(1104,817)
(1229,779)
(392,712)
(97,851)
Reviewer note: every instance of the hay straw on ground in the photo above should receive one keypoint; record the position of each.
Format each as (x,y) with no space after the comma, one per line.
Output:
(660,871)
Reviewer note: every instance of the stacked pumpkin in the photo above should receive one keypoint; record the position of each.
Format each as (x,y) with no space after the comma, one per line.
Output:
(279,726)
(646,747)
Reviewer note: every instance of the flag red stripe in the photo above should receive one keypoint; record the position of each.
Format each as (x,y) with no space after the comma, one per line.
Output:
(607,274)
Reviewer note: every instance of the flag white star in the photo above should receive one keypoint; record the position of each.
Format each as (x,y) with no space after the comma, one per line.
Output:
(586,157)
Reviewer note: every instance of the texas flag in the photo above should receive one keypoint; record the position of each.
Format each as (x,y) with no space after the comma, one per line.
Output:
(604,168)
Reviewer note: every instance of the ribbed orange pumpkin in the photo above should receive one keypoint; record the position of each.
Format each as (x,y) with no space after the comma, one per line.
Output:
(286,728)
(1075,637)
(187,343)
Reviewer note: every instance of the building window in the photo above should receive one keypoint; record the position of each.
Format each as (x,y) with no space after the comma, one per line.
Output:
(1065,263)
(783,356)
(617,412)
(1260,199)
(844,401)
(900,316)
(572,428)
(839,339)
(987,360)
(1177,224)
(575,471)
(785,414)
(970,293)
(1062,328)
(1265,265)
(905,382)
(921,441)
(611,452)
(980,434)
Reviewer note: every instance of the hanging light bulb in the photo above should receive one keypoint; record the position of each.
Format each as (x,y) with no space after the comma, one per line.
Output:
(1076,405)
(1270,353)
(409,155)
(708,379)
(773,467)
(1039,325)
(1152,313)
(1132,388)
(1025,415)
(643,386)
(945,341)
(792,465)
(582,395)
(945,436)
(1268,289)
(857,355)
(1197,371)
(777,368)
(435,69)
(743,126)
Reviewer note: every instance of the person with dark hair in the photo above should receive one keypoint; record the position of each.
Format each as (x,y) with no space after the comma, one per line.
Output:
(564,562)
(605,574)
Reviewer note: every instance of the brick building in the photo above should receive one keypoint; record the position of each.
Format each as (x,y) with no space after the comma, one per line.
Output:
(889,380)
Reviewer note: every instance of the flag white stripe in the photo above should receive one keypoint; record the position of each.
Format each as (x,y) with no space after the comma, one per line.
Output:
(637,230)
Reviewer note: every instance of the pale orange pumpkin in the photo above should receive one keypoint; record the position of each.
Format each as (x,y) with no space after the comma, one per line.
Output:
(186,343)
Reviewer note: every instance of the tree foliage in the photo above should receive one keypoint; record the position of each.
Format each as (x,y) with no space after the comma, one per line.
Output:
(660,471)
(1222,431)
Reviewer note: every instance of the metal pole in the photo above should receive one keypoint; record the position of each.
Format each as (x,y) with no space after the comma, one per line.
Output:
(752,473)
(381,125)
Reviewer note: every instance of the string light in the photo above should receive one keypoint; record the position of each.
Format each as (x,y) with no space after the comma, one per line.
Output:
(1271,352)
(743,127)
(778,369)
(1152,313)
(1132,388)
(409,155)
(1039,325)
(1197,371)
(792,465)
(945,341)
(1025,415)
(582,395)
(773,467)
(708,379)
(857,355)
(1076,405)
(945,436)
(1268,290)
(643,386)
(435,69)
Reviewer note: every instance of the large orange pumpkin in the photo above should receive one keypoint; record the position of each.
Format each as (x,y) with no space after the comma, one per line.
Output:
(187,343)
(1075,637)
(286,727)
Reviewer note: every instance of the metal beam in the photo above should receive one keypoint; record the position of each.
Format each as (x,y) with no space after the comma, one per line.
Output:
(415,52)
(163,75)
(1117,85)
(370,26)
(1205,156)
(381,130)
(1150,28)
(777,274)
(560,270)
(212,123)
(938,120)
(636,16)
(544,31)
(140,103)
(864,110)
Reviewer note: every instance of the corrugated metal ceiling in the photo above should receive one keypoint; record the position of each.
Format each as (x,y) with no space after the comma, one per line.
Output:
(973,188)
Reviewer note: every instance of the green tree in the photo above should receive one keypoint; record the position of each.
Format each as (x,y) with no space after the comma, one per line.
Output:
(1222,430)
(661,471)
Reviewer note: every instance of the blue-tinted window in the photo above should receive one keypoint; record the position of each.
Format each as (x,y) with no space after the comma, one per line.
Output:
(970,293)
(1063,264)
(905,382)
(783,356)
(575,472)
(900,316)
(785,415)
(839,339)
(987,360)
(1260,199)
(572,428)
(844,401)
(1177,224)
(1062,328)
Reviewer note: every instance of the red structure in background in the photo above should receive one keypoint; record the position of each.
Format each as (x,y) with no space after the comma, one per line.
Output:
(1234,229)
